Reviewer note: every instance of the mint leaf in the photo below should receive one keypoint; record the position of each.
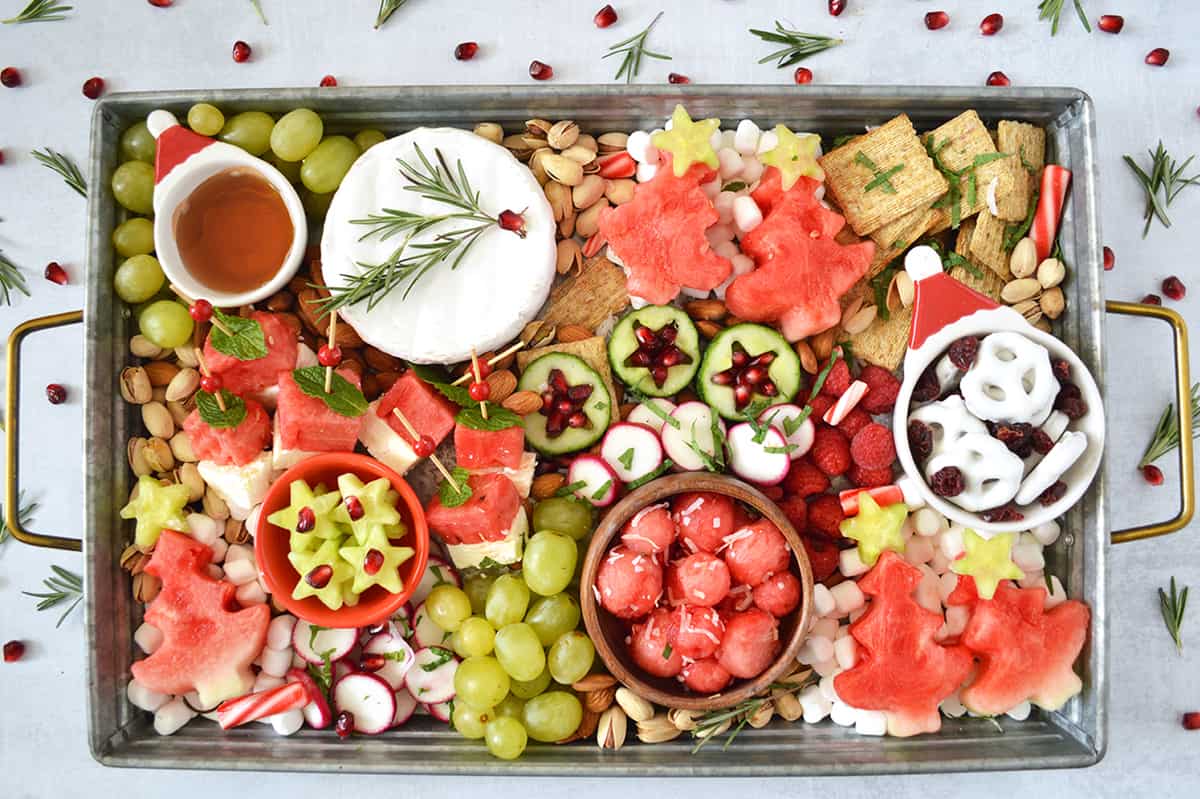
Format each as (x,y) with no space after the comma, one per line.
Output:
(343,399)
(499,418)
(570,488)
(654,475)
(244,341)
(626,458)
(446,493)
(435,378)
(442,657)
(785,450)
(736,185)
(793,423)
(599,493)
(666,655)
(213,416)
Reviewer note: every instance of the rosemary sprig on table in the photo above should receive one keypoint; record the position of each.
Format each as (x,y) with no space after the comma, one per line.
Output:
(11,280)
(258,7)
(634,48)
(1165,176)
(24,514)
(386,9)
(65,167)
(1166,434)
(40,11)
(1052,10)
(1173,605)
(797,44)
(62,586)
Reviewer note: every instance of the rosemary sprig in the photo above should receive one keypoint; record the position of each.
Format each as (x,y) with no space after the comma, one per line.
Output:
(634,48)
(797,44)
(62,586)
(40,11)
(709,725)
(1052,10)
(258,7)
(1165,176)
(1173,605)
(386,9)
(24,514)
(11,280)
(65,167)
(1166,434)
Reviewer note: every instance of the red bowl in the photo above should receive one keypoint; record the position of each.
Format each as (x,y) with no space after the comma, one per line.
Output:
(271,545)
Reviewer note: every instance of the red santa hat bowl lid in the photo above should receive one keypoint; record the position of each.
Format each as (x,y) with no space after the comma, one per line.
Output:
(184,160)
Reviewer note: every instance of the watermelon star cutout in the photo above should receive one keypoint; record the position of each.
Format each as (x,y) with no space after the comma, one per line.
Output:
(389,559)
(794,156)
(688,142)
(875,529)
(377,502)
(156,507)
(988,561)
(322,504)
(331,593)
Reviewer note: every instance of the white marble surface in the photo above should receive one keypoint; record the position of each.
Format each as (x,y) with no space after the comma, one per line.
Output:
(134,46)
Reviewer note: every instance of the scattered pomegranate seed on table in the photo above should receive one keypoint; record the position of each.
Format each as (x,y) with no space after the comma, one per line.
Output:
(991,24)
(1111,23)
(424,447)
(344,725)
(836,7)
(329,356)
(479,391)
(540,71)
(1158,56)
(605,17)
(241,51)
(55,273)
(675,77)
(160,3)
(211,383)
(1,157)
(13,651)
(10,77)
(511,220)
(803,75)
(998,78)
(1191,721)
(201,310)
(466,51)
(328,82)
(1152,299)
(936,20)
(1110,260)
(1153,475)
(93,88)
(1174,289)
(56,394)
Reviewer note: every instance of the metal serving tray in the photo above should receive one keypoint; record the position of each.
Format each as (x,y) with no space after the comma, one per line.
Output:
(121,735)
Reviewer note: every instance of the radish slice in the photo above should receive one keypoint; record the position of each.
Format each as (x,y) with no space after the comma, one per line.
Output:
(631,450)
(441,711)
(401,621)
(431,680)
(693,431)
(762,461)
(598,480)
(653,413)
(343,667)
(783,418)
(314,644)
(426,632)
(369,699)
(316,713)
(437,572)
(406,705)
(399,657)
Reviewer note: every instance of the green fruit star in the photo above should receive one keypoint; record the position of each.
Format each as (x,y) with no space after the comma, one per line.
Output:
(366,508)
(688,142)
(794,156)
(320,506)
(875,529)
(156,507)
(323,574)
(376,562)
(988,560)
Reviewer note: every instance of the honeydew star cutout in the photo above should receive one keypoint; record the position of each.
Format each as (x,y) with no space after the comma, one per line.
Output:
(378,506)
(688,142)
(322,506)
(327,555)
(875,529)
(988,560)
(794,156)
(388,575)
(157,507)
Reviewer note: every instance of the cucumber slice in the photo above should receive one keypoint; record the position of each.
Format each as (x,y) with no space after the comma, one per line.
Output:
(664,337)
(747,344)
(565,378)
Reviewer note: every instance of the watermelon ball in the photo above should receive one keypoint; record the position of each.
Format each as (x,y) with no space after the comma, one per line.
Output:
(703,520)
(701,579)
(629,583)
(652,645)
(705,676)
(650,531)
(739,598)
(756,552)
(778,595)
(699,631)
(750,643)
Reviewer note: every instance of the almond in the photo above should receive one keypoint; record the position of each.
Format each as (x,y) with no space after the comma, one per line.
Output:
(808,359)
(822,343)
(545,485)
(708,329)
(523,403)
(601,700)
(160,372)
(595,682)
(502,385)
(709,310)
(588,722)
(569,333)
(146,587)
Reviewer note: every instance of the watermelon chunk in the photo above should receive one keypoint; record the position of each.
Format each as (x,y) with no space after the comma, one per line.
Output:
(483,449)
(901,670)
(659,235)
(486,516)
(429,412)
(248,377)
(208,641)
(306,423)
(802,271)
(230,446)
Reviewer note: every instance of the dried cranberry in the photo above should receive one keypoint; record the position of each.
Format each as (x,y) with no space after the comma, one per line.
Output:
(56,394)
(241,52)
(1061,369)
(13,651)
(1004,513)
(1152,475)
(1053,494)
(1070,402)
(963,352)
(93,88)
(1174,289)
(947,482)
(920,439)
(1152,299)
(1017,437)
(927,388)
(1042,443)
(466,51)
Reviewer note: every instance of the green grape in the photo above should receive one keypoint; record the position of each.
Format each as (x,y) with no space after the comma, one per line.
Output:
(477,587)
(519,651)
(134,236)
(505,738)
(528,689)
(448,606)
(316,205)
(474,637)
(506,601)
(511,707)
(571,657)
(565,515)
(325,167)
(250,130)
(133,186)
(552,716)
(205,119)
(469,722)
(289,169)
(166,323)
(551,616)
(549,562)
(481,682)
(138,279)
(137,144)
(366,139)
(296,134)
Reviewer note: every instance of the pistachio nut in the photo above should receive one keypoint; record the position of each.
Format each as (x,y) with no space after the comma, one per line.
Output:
(135,385)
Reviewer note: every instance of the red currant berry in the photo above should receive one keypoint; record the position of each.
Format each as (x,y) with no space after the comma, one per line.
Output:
(329,356)
(201,310)
(479,391)
(211,383)
(424,447)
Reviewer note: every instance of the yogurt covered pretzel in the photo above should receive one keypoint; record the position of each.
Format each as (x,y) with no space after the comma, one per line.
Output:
(949,420)
(1011,380)
(991,473)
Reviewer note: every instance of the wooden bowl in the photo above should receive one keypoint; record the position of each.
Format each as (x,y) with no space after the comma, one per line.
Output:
(608,632)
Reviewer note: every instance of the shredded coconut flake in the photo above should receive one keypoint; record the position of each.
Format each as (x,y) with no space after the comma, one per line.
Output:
(991,197)
(696,505)
(637,517)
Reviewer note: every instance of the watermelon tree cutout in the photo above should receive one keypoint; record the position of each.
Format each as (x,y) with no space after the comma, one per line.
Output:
(901,669)
(208,640)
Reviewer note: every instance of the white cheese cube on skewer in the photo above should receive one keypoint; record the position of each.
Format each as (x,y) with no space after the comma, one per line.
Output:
(242,487)
(504,551)
(385,444)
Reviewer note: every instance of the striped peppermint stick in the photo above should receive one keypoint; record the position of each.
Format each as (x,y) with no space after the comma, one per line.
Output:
(1055,180)
(852,396)
(252,707)
(883,495)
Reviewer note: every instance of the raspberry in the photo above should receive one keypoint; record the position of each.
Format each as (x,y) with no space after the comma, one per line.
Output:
(856,420)
(873,447)
(947,482)
(1053,494)
(1061,369)
(869,478)
(796,510)
(830,451)
(963,351)
(920,439)
(1017,437)
(927,388)
(882,388)
(1042,443)
(820,404)
(1004,513)
(803,479)
(837,381)
(824,515)
(823,556)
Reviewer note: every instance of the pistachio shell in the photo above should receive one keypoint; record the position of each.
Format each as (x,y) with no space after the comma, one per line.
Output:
(186,356)
(564,170)
(490,131)
(135,452)
(589,192)
(620,191)
(559,197)
(1019,290)
(570,256)
(579,154)
(214,506)
(905,288)
(611,729)
(587,224)
(562,134)
(612,142)
(1053,303)
(181,448)
(158,420)
(183,384)
(634,706)
(1051,272)
(159,456)
(135,385)
(1023,262)
(142,347)
(189,476)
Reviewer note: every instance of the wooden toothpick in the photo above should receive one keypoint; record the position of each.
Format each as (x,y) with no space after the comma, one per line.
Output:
(204,371)
(478,379)
(441,467)
(217,323)
(332,343)
(492,361)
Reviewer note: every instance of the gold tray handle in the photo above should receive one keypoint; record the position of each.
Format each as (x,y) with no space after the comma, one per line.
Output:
(12,489)
(1183,405)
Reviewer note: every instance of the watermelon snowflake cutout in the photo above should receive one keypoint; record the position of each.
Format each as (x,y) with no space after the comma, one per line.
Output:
(156,508)
(802,271)
(208,641)
(376,553)
(794,156)
(875,529)
(988,561)
(320,506)
(323,574)
(901,670)
(375,508)
(1025,653)
(688,142)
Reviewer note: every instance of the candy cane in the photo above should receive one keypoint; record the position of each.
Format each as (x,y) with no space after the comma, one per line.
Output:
(845,403)
(883,495)
(1055,180)
(252,707)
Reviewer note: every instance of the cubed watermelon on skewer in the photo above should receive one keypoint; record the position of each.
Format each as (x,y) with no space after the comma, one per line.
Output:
(307,424)
(230,446)
(490,525)
(483,449)
(429,412)
(249,377)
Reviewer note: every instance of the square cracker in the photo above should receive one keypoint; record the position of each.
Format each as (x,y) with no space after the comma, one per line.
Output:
(893,144)
(1014,189)
(589,297)
(1024,141)
(591,351)
(989,284)
(958,143)
(885,341)
(987,244)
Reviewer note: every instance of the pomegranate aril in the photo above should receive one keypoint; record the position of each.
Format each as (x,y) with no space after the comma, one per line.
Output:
(479,390)
(754,375)
(991,24)
(372,662)
(579,393)
(211,383)
(10,77)
(998,78)
(13,651)
(201,310)
(56,394)
(373,561)
(1191,721)
(466,51)
(1,157)
(1174,289)
(54,271)
(512,221)
(605,17)
(936,20)
(802,75)
(344,724)
(675,77)
(1152,299)
(540,71)
(306,520)
(836,7)
(565,406)
(160,3)
(241,52)
(320,576)
(329,356)
(1153,475)
(354,508)
(328,82)
(577,419)
(1111,23)
(644,334)
(1158,56)
(93,88)
(424,447)
(1110,260)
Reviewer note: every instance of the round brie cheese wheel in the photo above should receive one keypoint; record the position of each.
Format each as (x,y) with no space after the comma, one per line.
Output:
(496,289)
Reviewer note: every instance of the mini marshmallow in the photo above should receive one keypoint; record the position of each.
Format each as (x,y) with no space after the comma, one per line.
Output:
(767,142)
(957,617)
(265,682)
(298,662)
(1033,579)
(1020,712)
(143,698)
(752,169)
(843,715)
(827,689)
(871,722)
(727,137)
(215,571)
(639,147)
(711,189)
(729,164)
(928,522)
(850,564)
(1027,554)
(815,705)
(855,615)
(238,552)
(1057,595)
(928,594)
(946,585)
(698,294)
(948,420)
(991,471)
(845,652)
(825,627)
(240,572)
(204,529)
(919,550)
(746,137)
(171,717)
(721,237)
(1046,533)
(646,172)
(279,631)
(1010,381)
(842,632)
(252,518)
(724,206)
(1053,466)
(288,723)
(276,662)
(148,637)
(825,668)
(952,707)
(940,563)
(823,602)
(251,594)
(746,214)
(848,596)
(815,650)
(910,489)
(951,542)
